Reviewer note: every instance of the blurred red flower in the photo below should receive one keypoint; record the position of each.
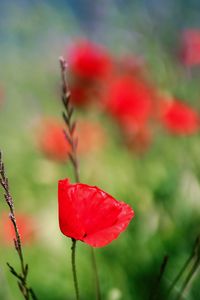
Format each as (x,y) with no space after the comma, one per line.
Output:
(190,47)
(53,144)
(89,60)
(88,214)
(84,92)
(26,228)
(129,100)
(138,140)
(51,140)
(180,118)
(89,65)
(162,103)
(91,136)
(80,94)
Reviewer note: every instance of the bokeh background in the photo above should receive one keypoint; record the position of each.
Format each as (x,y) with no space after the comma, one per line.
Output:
(151,162)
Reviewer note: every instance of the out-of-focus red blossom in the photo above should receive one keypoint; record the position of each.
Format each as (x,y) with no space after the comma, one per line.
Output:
(26,226)
(51,140)
(129,100)
(138,140)
(80,94)
(162,103)
(89,60)
(91,136)
(88,214)
(53,144)
(181,119)
(84,92)
(190,47)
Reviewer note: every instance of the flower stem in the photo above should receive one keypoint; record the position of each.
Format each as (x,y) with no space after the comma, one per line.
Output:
(73,248)
(155,292)
(73,142)
(96,277)
(179,275)
(194,254)
(26,291)
(188,279)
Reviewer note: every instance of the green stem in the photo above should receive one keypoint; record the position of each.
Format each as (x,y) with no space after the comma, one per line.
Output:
(188,279)
(96,277)
(179,275)
(155,293)
(195,253)
(74,269)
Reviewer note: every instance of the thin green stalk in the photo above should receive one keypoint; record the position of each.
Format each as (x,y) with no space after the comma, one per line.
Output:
(155,292)
(73,248)
(188,279)
(98,293)
(194,254)
(179,275)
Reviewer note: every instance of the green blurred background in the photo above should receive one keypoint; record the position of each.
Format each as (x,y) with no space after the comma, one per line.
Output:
(162,186)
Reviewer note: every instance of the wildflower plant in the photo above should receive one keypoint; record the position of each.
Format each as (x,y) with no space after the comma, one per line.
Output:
(86,213)
(21,276)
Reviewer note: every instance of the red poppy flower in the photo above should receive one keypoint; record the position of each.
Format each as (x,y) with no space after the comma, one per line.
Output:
(181,119)
(162,103)
(51,140)
(190,47)
(89,60)
(53,144)
(80,94)
(138,140)
(129,100)
(88,214)
(91,137)
(25,225)
(84,92)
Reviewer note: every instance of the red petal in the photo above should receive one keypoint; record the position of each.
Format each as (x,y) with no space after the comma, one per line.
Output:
(89,60)
(107,235)
(69,218)
(129,99)
(181,119)
(91,215)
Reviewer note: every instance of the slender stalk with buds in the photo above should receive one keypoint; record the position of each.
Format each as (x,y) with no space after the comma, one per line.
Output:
(21,276)
(70,124)
(73,142)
